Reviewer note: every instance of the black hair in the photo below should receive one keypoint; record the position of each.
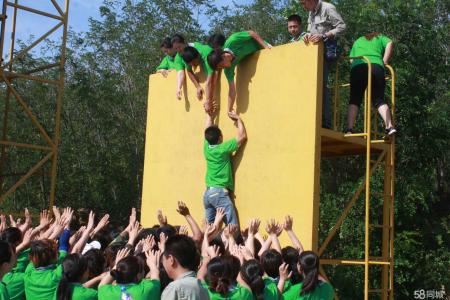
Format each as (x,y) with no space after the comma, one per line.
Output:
(12,235)
(166,43)
(142,259)
(290,257)
(167,229)
(295,18)
(6,252)
(95,261)
(127,270)
(183,249)
(258,246)
(73,268)
(189,54)
(215,58)
(216,40)
(213,134)
(309,262)
(233,265)
(103,237)
(218,280)
(217,241)
(144,233)
(43,253)
(271,261)
(177,38)
(252,273)
(111,252)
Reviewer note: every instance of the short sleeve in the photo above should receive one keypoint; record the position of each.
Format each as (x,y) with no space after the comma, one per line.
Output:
(229,146)
(229,73)
(179,63)
(385,40)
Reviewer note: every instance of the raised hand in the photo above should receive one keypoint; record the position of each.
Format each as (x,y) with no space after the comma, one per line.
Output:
(213,251)
(91,221)
(121,254)
(183,230)
(288,221)
(253,226)
(161,218)
(3,224)
(162,241)
(44,219)
(182,209)
(220,214)
(101,224)
(132,234)
(27,224)
(148,243)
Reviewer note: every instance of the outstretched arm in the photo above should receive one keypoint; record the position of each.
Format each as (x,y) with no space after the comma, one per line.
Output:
(388,52)
(288,228)
(181,77)
(211,81)
(199,88)
(259,39)
(242,133)
(231,95)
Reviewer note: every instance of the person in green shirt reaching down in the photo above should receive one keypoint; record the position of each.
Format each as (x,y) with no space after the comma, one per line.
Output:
(168,62)
(219,176)
(238,46)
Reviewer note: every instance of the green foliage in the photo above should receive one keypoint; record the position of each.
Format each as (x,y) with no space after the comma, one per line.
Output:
(104,118)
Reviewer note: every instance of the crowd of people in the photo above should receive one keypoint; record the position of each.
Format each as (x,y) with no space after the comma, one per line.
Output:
(71,255)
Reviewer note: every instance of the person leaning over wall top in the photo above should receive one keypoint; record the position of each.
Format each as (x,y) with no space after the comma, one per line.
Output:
(168,62)
(378,49)
(238,46)
(324,24)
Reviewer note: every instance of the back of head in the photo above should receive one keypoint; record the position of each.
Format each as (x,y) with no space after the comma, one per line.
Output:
(95,261)
(252,272)
(183,249)
(166,43)
(189,54)
(218,280)
(73,268)
(371,36)
(271,261)
(216,40)
(167,229)
(177,38)
(127,270)
(12,235)
(217,241)
(215,58)
(213,134)
(309,262)
(295,18)
(144,233)
(43,253)
(111,252)
(233,266)
(6,252)
(290,257)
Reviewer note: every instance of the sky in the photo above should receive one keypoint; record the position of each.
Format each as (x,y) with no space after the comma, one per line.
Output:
(30,24)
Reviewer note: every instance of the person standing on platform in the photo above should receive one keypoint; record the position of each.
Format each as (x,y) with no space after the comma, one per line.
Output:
(168,62)
(295,28)
(238,46)
(378,49)
(324,24)
(219,174)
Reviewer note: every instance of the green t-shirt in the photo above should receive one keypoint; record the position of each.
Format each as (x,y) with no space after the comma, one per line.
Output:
(3,292)
(41,283)
(15,285)
(238,292)
(168,63)
(14,279)
(373,50)
(218,164)
(241,44)
(79,292)
(299,38)
(179,63)
(270,289)
(204,51)
(146,289)
(324,291)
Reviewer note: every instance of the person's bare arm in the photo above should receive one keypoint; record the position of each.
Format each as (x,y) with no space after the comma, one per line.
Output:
(231,95)
(388,52)
(209,121)
(79,246)
(259,39)
(92,283)
(288,228)
(184,211)
(181,77)
(242,133)
(197,85)
(210,89)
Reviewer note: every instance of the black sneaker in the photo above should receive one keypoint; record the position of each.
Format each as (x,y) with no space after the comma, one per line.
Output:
(348,130)
(390,131)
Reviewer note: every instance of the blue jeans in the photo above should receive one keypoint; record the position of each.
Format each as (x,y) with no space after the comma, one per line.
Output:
(215,198)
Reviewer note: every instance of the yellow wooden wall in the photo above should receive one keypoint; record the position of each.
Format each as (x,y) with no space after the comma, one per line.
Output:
(276,173)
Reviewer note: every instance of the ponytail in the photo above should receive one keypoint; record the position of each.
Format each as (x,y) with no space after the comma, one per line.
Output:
(222,286)
(218,280)
(251,273)
(73,268)
(290,256)
(309,262)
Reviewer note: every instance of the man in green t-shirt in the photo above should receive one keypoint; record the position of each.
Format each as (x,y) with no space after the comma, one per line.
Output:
(295,28)
(179,44)
(238,46)
(168,62)
(219,175)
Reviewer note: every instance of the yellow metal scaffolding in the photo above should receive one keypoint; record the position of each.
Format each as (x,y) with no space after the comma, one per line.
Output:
(368,143)
(8,75)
